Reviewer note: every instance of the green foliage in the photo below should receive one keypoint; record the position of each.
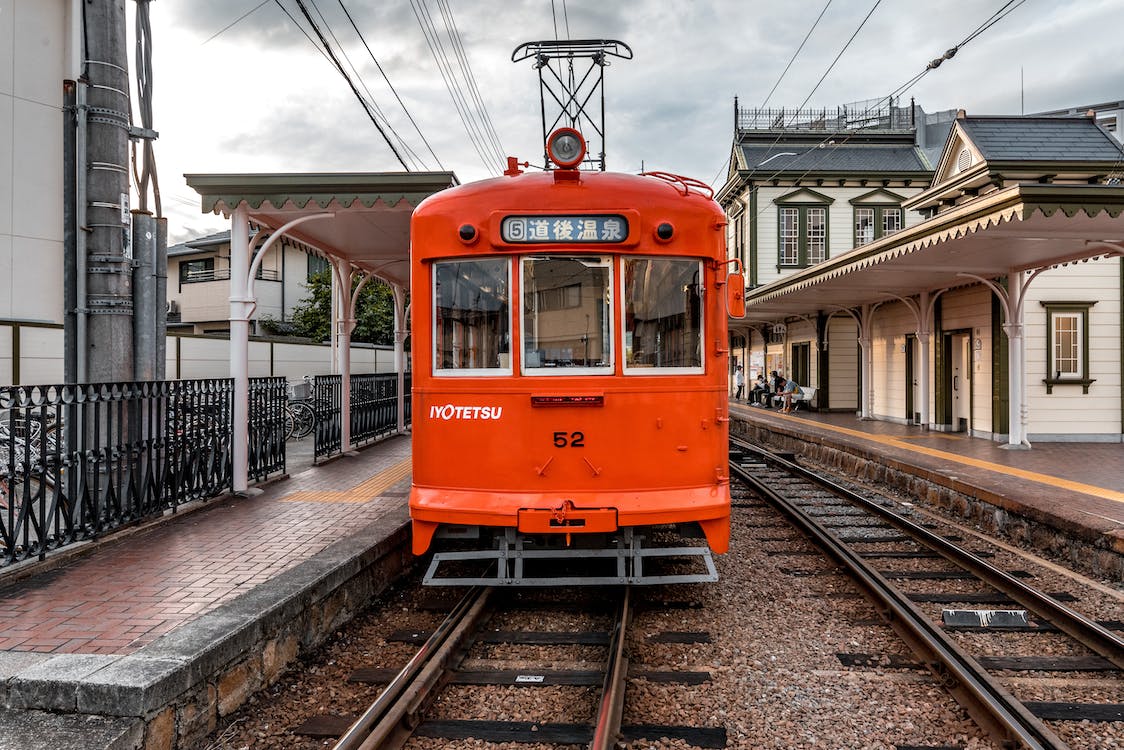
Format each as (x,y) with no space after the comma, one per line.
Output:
(374,314)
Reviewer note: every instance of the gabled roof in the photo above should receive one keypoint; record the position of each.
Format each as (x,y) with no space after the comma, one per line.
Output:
(1040,139)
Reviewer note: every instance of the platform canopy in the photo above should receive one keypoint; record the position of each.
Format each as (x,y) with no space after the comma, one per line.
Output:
(1018,228)
(359,222)
(371,223)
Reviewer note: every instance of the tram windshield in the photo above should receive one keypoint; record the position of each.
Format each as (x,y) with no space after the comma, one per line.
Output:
(662,314)
(566,320)
(472,314)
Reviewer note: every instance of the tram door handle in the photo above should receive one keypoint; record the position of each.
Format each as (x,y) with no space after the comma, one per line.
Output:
(955,382)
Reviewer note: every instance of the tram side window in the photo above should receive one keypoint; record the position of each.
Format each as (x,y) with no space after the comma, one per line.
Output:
(472,313)
(566,315)
(662,314)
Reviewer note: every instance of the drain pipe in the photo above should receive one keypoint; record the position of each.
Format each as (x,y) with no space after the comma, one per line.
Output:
(76,56)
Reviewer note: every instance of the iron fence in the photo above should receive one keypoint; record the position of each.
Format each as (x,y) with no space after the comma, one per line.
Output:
(77,461)
(326,402)
(374,406)
(268,397)
(878,115)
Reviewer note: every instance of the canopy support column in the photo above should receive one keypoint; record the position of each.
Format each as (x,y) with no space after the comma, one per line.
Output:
(867,365)
(241,307)
(1011,300)
(400,334)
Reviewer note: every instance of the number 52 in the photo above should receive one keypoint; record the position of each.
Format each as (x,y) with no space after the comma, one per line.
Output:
(563,439)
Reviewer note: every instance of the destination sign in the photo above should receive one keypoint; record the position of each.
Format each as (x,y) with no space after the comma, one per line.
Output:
(569,229)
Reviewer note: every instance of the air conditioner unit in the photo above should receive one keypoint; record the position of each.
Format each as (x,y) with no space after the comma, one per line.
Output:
(172,307)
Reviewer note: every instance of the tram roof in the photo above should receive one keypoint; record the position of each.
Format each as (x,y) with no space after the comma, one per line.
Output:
(1019,227)
(371,222)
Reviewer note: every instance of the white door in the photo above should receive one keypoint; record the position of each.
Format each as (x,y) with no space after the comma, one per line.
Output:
(915,381)
(961,382)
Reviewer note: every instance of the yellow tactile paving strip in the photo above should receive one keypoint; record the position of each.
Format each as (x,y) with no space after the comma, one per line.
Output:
(360,493)
(1033,476)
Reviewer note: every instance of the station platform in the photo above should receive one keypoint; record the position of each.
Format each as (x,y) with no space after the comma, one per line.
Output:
(1062,497)
(146,639)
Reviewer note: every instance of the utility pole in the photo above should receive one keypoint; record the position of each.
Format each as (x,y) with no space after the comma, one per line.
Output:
(109,298)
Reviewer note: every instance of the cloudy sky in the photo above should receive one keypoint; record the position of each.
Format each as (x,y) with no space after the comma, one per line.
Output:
(259,97)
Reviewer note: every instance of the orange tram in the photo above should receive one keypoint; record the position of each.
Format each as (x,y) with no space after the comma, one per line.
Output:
(570,377)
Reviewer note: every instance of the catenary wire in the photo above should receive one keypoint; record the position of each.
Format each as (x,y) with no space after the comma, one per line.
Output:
(234,22)
(351,85)
(433,41)
(415,160)
(389,84)
(836,60)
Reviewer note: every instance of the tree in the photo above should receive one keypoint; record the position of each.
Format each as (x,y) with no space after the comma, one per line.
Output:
(374,313)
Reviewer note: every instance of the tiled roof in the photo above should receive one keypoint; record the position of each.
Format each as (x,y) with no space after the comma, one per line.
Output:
(1040,139)
(199,244)
(832,159)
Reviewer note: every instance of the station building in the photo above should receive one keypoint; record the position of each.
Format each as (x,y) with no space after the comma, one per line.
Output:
(961,273)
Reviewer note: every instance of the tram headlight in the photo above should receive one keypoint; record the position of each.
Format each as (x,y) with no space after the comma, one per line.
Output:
(566,147)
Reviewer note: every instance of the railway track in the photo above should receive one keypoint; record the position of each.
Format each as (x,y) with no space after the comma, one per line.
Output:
(869,541)
(402,709)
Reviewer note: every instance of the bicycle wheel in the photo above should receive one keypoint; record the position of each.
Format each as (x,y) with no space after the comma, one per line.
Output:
(290,423)
(305,418)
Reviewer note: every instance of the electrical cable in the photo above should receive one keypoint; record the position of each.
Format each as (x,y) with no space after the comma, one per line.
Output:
(370,97)
(794,54)
(845,46)
(390,85)
(351,84)
(444,67)
(466,70)
(234,22)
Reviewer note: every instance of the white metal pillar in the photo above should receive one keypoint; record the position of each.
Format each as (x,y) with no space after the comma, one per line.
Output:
(867,364)
(922,311)
(343,320)
(241,306)
(400,334)
(1012,302)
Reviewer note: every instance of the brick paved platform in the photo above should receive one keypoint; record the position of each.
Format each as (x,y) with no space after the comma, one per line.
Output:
(1067,498)
(156,634)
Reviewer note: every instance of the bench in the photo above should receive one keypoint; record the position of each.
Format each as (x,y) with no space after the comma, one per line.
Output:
(805,396)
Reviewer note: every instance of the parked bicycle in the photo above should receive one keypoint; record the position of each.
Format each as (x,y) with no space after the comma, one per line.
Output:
(300,416)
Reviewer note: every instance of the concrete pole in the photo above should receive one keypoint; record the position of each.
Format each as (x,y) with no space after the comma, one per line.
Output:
(145,313)
(161,274)
(109,254)
(240,345)
(400,334)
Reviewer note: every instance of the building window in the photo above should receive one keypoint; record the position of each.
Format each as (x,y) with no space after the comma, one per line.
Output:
(200,269)
(1067,338)
(316,264)
(802,235)
(872,222)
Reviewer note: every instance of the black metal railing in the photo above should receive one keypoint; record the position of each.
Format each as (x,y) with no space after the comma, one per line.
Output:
(77,461)
(878,115)
(326,402)
(374,406)
(268,397)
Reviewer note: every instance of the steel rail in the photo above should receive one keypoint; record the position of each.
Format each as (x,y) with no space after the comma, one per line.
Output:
(607,726)
(994,709)
(385,722)
(1089,633)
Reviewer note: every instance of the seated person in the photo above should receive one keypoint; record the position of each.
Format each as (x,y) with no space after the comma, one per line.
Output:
(791,389)
(777,381)
(759,392)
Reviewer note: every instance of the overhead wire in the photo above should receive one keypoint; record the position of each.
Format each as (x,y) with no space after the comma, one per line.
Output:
(351,84)
(234,22)
(417,162)
(470,77)
(725,164)
(433,40)
(836,60)
(390,85)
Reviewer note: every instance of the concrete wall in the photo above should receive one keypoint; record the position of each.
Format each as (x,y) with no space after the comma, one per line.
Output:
(32,56)
(40,359)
